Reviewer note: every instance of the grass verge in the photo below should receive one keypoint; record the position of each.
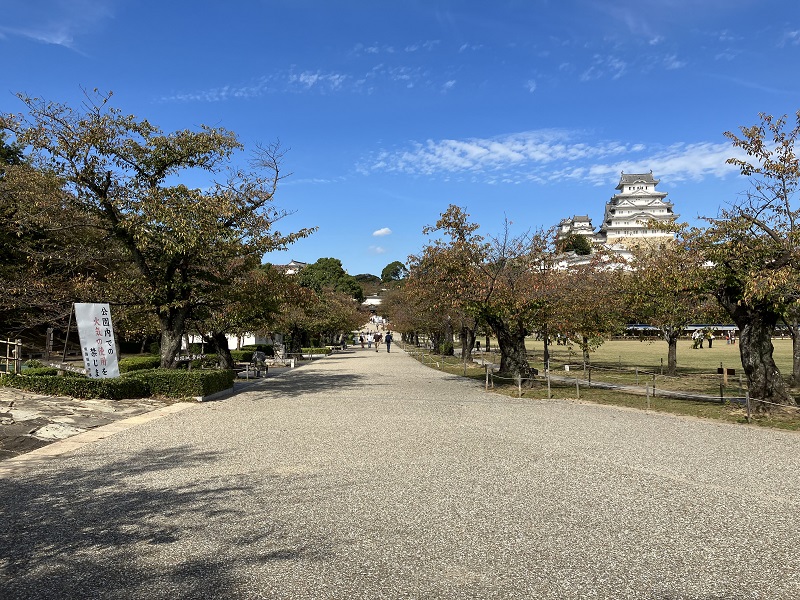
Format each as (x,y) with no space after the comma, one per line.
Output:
(691,378)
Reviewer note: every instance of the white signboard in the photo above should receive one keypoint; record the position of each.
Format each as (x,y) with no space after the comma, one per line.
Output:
(97,340)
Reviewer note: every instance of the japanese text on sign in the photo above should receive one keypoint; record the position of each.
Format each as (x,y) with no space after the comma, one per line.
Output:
(97,340)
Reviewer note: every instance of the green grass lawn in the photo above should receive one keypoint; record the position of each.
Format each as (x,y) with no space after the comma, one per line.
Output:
(634,362)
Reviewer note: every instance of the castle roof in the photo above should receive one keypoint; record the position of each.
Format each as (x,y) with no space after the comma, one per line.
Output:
(628,178)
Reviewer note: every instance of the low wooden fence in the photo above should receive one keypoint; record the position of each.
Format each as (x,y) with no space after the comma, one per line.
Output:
(12,361)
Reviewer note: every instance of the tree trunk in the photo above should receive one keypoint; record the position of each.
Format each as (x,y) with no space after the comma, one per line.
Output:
(220,343)
(756,326)
(585,349)
(794,330)
(546,338)
(513,354)
(173,325)
(467,338)
(671,336)
(295,345)
(170,347)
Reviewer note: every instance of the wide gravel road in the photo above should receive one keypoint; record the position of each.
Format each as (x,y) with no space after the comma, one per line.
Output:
(366,475)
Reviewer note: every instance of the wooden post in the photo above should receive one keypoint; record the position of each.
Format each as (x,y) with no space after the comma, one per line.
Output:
(654,385)
(549,394)
(647,393)
(486,368)
(519,386)
(66,336)
(577,388)
(747,402)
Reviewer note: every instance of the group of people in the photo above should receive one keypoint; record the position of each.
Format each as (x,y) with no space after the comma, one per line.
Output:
(376,338)
(702,335)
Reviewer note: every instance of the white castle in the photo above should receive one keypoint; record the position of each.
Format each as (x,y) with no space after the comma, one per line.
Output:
(627,214)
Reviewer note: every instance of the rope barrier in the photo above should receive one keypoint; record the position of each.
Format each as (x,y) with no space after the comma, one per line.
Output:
(648,389)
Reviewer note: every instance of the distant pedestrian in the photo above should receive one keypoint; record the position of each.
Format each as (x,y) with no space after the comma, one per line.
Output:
(696,339)
(710,339)
(361,339)
(377,339)
(369,341)
(388,339)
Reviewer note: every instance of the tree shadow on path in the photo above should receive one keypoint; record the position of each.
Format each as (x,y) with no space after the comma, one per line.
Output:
(110,532)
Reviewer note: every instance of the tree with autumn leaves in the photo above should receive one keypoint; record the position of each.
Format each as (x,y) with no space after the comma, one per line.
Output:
(498,281)
(751,251)
(122,177)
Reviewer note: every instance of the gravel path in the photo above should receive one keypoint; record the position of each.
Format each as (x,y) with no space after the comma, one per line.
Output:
(366,475)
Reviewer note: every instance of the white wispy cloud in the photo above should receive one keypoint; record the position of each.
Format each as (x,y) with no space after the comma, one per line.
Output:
(428,45)
(316,81)
(792,37)
(530,85)
(604,66)
(381,232)
(671,62)
(55,22)
(377,250)
(549,156)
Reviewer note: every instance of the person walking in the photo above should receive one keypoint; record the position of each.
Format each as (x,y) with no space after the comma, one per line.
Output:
(388,341)
(377,339)
(361,339)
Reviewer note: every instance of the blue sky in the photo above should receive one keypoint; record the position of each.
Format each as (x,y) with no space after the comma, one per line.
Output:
(391,110)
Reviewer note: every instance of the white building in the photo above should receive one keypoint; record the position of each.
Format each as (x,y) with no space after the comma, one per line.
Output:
(628,212)
(627,215)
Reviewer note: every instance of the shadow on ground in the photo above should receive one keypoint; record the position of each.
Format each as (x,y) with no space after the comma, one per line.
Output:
(303,382)
(109,532)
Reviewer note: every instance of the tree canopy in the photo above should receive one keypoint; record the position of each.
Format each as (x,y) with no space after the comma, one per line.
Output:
(123,176)
(329,274)
(394,271)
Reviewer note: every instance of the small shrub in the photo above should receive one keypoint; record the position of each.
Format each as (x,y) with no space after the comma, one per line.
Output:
(40,372)
(138,363)
(78,387)
(316,350)
(206,361)
(446,349)
(178,383)
(267,349)
(155,348)
(33,364)
(243,355)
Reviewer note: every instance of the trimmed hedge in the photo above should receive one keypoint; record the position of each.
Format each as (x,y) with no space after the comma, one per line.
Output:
(267,349)
(138,363)
(139,384)
(207,361)
(78,387)
(177,383)
(40,372)
(243,355)
(316,350)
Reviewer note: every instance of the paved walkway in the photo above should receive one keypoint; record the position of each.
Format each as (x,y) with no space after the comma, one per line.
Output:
(366,475)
